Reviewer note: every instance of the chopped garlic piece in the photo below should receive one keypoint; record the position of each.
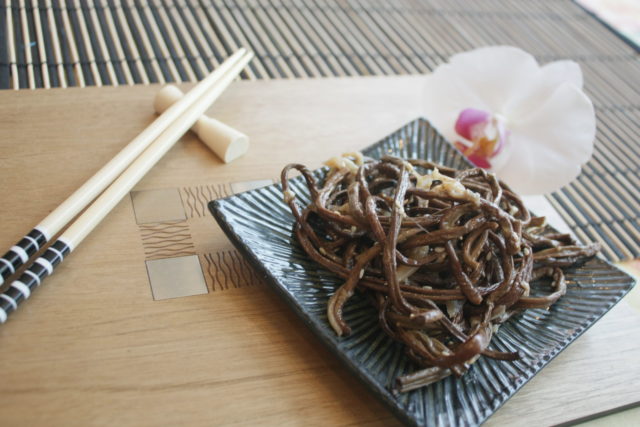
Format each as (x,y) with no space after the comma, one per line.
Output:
(404,271)
(454,188)
(409,168)
(454,307)
(526,287)
(359,158)
(424,181)
(450,186)
(342,163)
(289,196)
(498,311)
(345,162)
(400,207)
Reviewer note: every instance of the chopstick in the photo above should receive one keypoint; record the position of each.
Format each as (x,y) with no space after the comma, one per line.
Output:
(20,290)
(31,243)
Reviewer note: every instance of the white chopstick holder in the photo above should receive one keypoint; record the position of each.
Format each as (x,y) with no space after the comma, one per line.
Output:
(226,142)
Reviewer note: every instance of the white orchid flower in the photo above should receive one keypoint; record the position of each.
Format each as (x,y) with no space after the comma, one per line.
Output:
(531,125)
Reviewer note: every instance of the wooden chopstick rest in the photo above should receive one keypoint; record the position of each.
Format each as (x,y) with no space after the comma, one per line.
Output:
(225,141)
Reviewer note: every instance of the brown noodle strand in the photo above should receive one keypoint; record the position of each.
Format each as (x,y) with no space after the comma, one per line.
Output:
(445,256)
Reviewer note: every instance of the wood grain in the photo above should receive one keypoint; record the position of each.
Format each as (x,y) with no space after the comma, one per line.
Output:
(92,347)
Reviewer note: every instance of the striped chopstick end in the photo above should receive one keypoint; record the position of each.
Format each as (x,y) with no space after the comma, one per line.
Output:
(21,289)
(20,253)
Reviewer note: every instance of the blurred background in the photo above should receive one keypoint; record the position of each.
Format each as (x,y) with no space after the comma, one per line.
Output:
(59,43)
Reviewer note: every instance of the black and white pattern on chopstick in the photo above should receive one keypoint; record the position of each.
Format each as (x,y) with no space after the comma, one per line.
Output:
(20,253)
(21,289)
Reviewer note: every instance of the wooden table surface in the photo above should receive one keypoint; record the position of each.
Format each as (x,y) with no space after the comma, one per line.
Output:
(93,347)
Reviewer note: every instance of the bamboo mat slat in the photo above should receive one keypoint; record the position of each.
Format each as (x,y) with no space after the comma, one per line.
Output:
(62,43)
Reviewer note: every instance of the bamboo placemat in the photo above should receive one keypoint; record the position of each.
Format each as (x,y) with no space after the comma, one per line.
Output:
(61,43)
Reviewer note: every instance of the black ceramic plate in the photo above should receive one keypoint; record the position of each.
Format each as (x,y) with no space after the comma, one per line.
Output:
(260,226)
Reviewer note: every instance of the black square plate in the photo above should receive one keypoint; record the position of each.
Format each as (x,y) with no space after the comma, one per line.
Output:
(260,225)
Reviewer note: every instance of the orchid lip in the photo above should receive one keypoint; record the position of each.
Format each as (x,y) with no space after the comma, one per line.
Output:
(482,135)
(469,119)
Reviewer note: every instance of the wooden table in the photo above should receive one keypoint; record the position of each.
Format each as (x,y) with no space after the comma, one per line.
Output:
(92,346)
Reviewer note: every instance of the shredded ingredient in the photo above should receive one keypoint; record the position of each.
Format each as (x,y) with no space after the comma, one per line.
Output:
(445,256)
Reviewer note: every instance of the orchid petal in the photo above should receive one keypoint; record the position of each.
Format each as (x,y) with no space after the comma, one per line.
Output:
(495,73)
(541,88)
(548,146)
(555,73)
(445,97)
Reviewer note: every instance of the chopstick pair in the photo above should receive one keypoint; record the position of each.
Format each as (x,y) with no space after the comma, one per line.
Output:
(114,181)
